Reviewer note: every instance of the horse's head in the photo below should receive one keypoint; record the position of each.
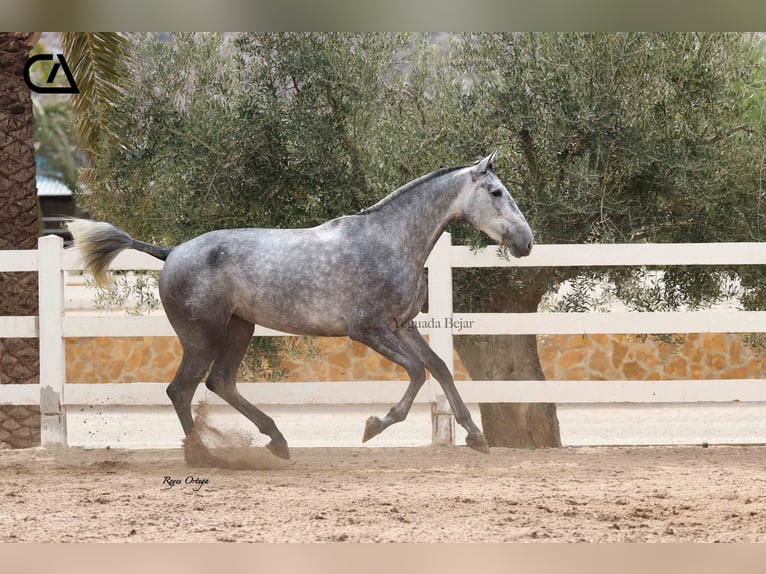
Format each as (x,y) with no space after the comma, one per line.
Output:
(487,206)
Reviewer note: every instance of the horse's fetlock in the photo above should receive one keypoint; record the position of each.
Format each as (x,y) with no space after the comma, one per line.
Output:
(463,420)
(396,415)
(269,428)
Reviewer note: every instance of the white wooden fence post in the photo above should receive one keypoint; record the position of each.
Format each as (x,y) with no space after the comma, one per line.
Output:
(440,336)
(52,349)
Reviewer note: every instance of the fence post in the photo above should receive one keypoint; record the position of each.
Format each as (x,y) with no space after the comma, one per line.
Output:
(52,349)
(440,336)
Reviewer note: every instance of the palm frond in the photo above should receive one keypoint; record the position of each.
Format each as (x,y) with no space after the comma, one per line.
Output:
(96,60)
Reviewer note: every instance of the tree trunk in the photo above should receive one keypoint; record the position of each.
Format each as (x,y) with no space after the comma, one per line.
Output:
(19,358)
(506,358)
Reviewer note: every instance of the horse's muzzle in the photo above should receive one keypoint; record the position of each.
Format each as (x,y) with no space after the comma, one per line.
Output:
(519,244)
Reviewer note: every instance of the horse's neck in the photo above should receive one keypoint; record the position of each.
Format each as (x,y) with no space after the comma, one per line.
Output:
(415,220)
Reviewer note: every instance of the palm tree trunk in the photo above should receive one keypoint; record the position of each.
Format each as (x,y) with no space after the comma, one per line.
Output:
(19,358)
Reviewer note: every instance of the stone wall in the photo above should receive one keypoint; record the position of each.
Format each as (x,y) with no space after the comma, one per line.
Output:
(155,359)
(615,357)
(121,360)
(599,357)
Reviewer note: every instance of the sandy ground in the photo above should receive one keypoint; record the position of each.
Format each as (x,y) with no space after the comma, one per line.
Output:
(421,494)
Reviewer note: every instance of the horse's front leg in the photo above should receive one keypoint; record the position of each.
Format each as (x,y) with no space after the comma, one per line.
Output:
(385,342)
(414,340)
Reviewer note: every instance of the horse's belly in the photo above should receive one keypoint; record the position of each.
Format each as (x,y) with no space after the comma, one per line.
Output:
(296,319)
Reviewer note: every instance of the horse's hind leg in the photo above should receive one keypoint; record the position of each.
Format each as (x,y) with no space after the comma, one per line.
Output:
(222,381)
(475,438)
(193,366)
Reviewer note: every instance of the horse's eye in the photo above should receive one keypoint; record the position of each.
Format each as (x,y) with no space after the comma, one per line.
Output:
(497,193)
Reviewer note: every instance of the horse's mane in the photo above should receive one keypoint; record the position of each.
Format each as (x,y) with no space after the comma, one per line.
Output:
(407,187)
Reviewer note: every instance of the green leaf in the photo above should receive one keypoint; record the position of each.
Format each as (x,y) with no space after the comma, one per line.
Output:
(97,61)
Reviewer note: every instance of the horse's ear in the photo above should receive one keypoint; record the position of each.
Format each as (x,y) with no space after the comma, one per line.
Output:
(484,165)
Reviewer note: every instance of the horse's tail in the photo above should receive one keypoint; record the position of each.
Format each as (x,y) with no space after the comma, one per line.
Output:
(100,242)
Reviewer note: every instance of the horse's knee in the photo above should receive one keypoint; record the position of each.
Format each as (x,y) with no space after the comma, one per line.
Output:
(417,375)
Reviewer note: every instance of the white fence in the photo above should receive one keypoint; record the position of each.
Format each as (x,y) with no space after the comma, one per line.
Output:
(53,326)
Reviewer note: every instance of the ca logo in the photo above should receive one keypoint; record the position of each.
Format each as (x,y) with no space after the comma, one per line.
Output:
(50,89)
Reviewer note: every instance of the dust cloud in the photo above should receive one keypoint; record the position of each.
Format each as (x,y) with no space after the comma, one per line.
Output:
(211,447)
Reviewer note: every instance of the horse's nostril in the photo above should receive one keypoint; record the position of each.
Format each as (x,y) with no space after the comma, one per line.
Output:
(529,245)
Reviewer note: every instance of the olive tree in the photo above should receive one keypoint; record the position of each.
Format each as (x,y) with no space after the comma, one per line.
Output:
(613,138)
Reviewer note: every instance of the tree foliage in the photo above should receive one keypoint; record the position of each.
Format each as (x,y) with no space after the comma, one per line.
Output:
(266,130)
(603,137)
(628,137)
(55,147)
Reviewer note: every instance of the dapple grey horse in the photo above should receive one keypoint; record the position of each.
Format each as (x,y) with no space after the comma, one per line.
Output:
(360,276)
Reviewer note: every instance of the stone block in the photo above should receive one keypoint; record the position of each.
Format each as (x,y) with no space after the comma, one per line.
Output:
(716,362)
(600,362)
(740,372)
(339,359)
(676,368)
(619,350)
(372,365)
(736,350)
(714,342)
(632,370)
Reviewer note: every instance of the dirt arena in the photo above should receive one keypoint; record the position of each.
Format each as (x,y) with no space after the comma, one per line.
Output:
(426,494)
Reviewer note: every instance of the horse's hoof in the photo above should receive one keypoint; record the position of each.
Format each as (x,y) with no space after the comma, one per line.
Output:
(477,442)
(373,427)
(279,449)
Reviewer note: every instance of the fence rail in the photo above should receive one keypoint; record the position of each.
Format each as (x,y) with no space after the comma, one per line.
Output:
(53,326)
